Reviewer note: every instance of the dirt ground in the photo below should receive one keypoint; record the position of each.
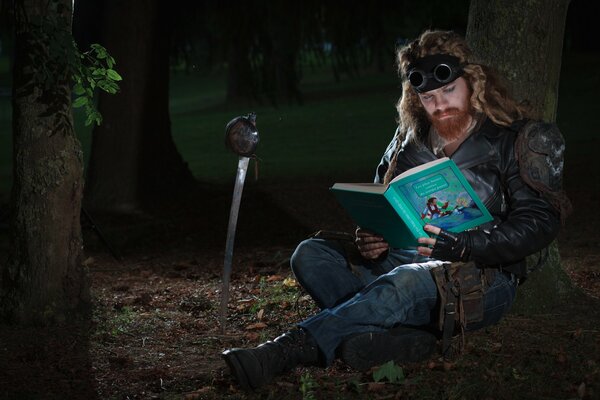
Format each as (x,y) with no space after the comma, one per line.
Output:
(154,331)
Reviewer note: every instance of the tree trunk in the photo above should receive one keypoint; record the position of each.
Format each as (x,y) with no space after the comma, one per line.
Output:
(133,158)
(523,40)
(43,280)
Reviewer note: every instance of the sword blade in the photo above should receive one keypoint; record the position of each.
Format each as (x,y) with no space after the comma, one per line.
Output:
(233,217)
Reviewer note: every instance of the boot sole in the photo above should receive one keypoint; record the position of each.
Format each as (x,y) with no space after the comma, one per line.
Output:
(237,370)
(366,350)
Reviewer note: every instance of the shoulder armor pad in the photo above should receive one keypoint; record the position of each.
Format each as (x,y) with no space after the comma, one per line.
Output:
(540,149)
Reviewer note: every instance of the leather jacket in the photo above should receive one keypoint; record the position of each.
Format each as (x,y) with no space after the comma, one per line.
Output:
(524,222)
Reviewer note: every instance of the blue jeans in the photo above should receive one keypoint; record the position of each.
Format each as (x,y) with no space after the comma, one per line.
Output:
(376,296)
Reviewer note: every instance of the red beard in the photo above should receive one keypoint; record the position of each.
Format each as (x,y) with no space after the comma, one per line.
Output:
(455,123)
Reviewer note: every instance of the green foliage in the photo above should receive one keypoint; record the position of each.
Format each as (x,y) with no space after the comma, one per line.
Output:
(355,385)
(389,371)
(272,294)
(55,62)
(114,322)
(307,386)
(93,70)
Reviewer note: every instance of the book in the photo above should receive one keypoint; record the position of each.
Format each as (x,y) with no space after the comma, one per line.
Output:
(435,193)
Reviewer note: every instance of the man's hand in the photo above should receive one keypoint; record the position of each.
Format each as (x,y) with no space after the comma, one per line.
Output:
(369,244)
(428,242)
(447,247)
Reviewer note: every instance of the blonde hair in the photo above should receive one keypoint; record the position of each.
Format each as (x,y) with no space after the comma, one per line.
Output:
(489,94)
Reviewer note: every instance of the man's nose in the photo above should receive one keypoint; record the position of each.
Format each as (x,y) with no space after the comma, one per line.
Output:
(440,103)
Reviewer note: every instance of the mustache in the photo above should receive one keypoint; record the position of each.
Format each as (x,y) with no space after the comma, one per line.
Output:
(448,111)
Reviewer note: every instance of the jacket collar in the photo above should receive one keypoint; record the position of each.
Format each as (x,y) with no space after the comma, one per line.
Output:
(475,150)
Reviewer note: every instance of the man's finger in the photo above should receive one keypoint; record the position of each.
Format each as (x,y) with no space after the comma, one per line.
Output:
(369,236)
(431,229)
(373,246)
(373,254)
(427,241)
(371,239)
(424,251)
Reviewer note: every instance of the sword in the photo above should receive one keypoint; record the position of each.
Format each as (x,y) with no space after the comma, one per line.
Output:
(242,138)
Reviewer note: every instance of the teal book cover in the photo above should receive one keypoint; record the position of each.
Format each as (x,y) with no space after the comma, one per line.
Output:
(436,193)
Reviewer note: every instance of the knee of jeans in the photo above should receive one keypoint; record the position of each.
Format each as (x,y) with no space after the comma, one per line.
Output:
(403,278)
(305,250)
(314,248)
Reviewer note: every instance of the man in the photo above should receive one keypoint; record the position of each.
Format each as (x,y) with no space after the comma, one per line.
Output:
(385,305)
(435,209)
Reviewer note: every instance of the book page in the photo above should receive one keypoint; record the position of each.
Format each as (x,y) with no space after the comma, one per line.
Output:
(361,187)
(419,168)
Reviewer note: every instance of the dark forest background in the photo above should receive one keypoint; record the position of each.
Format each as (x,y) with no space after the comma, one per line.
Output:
(112,236)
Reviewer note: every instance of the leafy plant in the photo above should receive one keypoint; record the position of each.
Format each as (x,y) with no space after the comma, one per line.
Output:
(390,371)
(273,293)
(121,321)
(95,69)
(55,63)
(307,386)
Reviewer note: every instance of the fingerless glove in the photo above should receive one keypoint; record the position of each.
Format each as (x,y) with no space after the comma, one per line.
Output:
(452,246)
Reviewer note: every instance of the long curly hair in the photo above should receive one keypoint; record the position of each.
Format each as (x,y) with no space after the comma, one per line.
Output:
(489,93)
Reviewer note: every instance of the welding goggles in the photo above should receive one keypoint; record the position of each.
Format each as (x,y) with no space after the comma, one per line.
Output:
(434,71)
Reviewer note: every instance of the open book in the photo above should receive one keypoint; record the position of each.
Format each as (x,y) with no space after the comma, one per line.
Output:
(435,193)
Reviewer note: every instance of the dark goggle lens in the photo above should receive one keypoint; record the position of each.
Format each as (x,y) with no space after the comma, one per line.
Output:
(442,73)
(416,78)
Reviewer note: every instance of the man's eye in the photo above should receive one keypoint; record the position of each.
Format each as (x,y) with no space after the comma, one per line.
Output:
(426,97)
(449,89)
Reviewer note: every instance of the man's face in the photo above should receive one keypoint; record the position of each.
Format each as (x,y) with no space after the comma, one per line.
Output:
(449,108)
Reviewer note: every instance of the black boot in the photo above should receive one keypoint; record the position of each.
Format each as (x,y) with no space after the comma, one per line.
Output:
(366,350)
(255,367)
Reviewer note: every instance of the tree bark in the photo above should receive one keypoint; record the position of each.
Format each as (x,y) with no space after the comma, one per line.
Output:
(133,159)
(43,280)
(523,40)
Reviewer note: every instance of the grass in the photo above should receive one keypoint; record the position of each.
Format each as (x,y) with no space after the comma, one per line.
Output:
(321,135)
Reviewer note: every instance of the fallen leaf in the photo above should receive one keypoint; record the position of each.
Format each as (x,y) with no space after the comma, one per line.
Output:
(198,394)
(290,282)
(581,390)
(448,365)
(517,375)
(88,261)
(260,314)
(273,278)
(252,336)
(375,386)
(256,326)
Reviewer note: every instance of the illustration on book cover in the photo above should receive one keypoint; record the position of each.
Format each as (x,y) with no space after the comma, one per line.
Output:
(441,200)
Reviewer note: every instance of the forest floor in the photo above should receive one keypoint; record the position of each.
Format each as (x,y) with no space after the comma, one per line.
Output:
(154,331)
